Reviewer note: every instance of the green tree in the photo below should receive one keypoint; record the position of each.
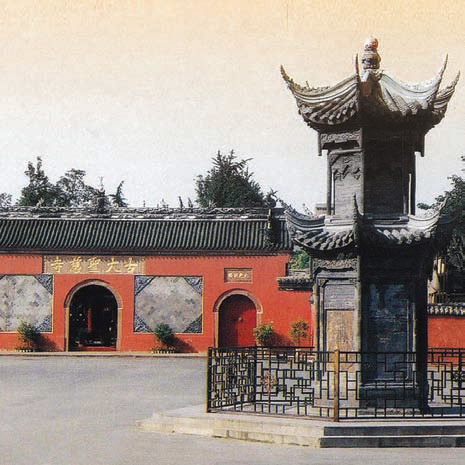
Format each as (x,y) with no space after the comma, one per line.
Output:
(454,208)
(5,200)
(229,184)
(299,260)
(40,191)
(72,191)
(118,198)
(455,198)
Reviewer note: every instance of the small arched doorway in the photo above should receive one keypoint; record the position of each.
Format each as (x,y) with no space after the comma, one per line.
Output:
(237,318)
(93,319)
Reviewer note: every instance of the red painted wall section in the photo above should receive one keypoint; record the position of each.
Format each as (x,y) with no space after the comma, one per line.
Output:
(279,307)
(20,264)
(276,305)
(446,331)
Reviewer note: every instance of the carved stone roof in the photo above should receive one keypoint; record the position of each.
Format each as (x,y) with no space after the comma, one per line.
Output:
(370,96)
(144,231)
(311,232)
(325,234)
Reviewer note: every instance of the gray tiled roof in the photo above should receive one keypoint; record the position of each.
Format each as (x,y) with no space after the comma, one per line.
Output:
(373,95)
(222,231)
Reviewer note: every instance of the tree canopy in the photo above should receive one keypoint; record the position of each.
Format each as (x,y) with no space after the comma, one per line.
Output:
(229,183)
(454,207)
(70,190)
(455,198)
(5,200)
(40,191)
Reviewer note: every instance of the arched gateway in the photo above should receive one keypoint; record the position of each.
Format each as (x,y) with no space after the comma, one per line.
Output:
(93,319)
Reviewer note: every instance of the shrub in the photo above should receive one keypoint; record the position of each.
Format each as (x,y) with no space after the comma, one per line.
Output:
(298,331)
(29,335)
(263,334)
(164,334)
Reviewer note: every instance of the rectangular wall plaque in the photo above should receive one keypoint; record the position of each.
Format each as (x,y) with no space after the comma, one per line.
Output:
(339,296)
(238,275)
(93,264)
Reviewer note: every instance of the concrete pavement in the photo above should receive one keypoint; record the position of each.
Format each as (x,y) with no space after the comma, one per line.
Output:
(81,411)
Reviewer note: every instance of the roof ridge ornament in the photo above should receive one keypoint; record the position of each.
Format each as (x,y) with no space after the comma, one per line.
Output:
(371,58)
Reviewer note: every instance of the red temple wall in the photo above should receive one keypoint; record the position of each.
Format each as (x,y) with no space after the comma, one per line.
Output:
(279,307)
(446,331)
(20,264)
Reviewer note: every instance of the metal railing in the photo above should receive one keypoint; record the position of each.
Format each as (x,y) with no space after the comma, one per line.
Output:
(336,385)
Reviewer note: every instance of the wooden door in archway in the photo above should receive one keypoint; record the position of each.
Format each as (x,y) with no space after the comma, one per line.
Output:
(237,318)
(93,319)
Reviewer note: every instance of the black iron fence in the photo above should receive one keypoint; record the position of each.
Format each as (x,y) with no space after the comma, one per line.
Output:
(336,385)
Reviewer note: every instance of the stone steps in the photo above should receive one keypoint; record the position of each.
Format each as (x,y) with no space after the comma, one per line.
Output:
(392,441)
(305,432)
(400,429)
(400,435)
(244,427)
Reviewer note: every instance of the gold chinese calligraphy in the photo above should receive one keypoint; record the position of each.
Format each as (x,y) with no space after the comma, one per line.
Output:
(238,275)
(95,264)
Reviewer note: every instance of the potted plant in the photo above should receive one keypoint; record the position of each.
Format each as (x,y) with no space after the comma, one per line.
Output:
(164,334)
(298,331)
(263,334)
(29,336)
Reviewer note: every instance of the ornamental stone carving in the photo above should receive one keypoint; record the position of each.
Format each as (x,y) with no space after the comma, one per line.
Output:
(340,137)
(337,264)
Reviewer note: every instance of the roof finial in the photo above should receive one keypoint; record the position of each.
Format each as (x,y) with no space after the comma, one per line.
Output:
(371,58)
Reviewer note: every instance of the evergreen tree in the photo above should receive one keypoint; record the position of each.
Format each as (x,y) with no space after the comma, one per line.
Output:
(455,198)
(72,191)
(454,207)
(228,184)
(5,200)
(118,198)
(40,191)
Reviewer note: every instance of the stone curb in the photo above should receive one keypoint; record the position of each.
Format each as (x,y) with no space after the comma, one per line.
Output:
(8,353)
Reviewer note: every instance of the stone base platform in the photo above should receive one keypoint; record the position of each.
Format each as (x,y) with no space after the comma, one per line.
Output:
(308,432)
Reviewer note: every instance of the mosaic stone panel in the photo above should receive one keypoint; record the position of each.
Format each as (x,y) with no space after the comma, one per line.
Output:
(28,299)
(174,300)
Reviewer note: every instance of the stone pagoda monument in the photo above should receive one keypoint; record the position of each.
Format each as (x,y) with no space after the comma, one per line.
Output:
(371,257)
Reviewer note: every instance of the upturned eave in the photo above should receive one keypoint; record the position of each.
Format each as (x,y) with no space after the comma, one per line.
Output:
(371,97)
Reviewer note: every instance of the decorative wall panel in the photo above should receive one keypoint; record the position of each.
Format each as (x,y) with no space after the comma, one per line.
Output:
(339,295)
(28,299)
(174,300)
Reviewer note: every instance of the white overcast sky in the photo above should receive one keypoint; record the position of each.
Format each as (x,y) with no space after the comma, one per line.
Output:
(147,91)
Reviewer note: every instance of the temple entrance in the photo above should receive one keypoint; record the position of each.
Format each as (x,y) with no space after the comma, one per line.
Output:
(237,318)
(93,319)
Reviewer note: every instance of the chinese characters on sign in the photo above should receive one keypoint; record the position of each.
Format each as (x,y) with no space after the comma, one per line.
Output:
(238,275)
(95,264)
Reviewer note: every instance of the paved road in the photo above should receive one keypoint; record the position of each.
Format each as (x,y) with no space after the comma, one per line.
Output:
(82,411)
